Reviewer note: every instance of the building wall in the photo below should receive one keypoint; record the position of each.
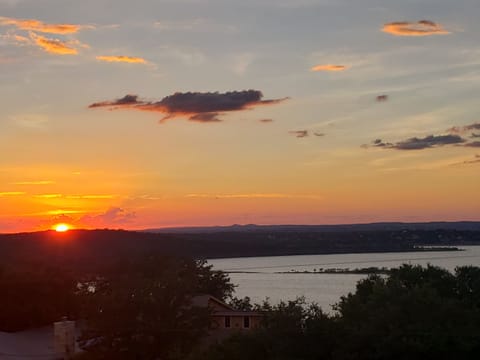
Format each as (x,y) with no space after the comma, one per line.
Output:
(236,322)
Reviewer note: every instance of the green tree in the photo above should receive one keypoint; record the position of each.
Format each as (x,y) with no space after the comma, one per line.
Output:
(142,309)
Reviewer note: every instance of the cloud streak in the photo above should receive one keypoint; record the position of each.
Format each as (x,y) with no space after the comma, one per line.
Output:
(196,106)
(36,182)
(251,196)
(299,133)
(419,28)
(39,26)
(11,193)
(415,143)
(122,59)
(464,129)
(53,46)
(329,67)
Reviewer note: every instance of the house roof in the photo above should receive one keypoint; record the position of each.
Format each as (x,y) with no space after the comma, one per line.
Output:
(204,300)
(237,313)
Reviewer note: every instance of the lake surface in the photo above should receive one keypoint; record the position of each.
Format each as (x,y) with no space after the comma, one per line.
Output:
(258,277)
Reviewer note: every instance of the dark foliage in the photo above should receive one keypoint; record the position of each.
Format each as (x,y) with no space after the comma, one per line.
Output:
(413,313)
(35,295)
(143,310)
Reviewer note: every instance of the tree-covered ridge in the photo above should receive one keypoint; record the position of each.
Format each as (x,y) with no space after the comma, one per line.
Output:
(81,248)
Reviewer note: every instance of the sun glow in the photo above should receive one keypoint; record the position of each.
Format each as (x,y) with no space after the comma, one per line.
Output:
(61,227)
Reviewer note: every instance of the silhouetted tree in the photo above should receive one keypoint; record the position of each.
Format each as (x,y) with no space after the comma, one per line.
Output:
(142,309)
(35,295)
(414,312)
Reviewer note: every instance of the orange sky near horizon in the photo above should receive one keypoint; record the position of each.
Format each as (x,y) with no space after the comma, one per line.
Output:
(155,115)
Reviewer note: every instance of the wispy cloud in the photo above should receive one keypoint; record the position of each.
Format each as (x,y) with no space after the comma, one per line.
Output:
(475,160)
(299,133)
(473,144)
(198,24)
(48,196)
(329,67)
(196,106)
(53,46)
(416,143)
(36,182)
(464,129)
(113,216)
(305,133)
(419,28)
(122,59)
(74,197)
(39,26)
(251,196)
(11,193)
(266,121)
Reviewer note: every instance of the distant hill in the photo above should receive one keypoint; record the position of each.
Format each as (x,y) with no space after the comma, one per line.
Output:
(382,226)
(89,248)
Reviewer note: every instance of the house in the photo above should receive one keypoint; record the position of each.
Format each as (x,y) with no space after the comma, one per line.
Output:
(225,320)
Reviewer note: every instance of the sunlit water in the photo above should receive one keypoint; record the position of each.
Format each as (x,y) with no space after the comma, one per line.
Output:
(326,289)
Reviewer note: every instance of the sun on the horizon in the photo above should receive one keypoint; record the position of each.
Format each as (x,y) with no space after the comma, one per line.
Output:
(61,227)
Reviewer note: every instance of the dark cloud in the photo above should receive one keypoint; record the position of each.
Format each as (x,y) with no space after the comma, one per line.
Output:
(205,117)
(475,135)
(382,98)
(473,144)
(318,134)
(266,120)
(299,133)
(416,143)
(464,129)
(127,100)
(196,106)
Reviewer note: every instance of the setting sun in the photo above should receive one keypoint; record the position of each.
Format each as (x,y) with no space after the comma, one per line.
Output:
(61,227)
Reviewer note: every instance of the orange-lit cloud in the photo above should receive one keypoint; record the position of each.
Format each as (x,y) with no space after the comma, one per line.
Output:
(196,106)
(48,196)
(419,28)
(329,67)
(53,46)
(11,193)
(251,196)
(75,197)
(123,59)
(38,182)
(39,26)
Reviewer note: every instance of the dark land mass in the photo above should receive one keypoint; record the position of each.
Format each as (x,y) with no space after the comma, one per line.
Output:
(88,247)
(381,226)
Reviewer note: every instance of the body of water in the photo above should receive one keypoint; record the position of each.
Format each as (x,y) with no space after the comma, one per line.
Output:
(259,277)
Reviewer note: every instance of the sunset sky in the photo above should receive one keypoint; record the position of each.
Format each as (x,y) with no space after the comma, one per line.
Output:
(159,113)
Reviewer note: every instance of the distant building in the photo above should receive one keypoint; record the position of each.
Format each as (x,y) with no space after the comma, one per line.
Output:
(225,320)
